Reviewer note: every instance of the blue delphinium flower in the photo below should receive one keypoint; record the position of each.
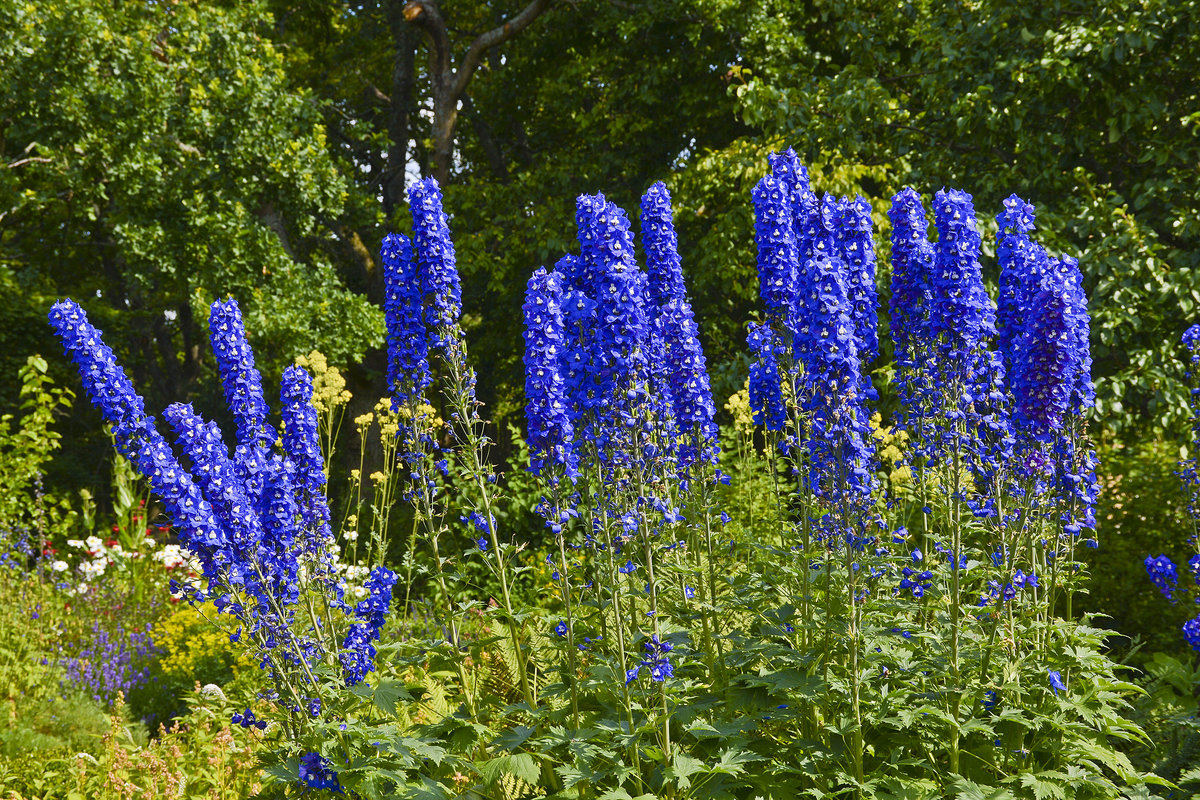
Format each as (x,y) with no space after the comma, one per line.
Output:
(247,719)
(560,629)
(358,649)
(436,263)
(1056,681)
(136,437)
(1075,462)
(655,660)
(856,248)
(302,446)
(912,271)
(546,405)
(962,314)
(1021,261)
(691,394)
(621,341)
(1191,632)
(239,377)
(408,348)
(316,772)
(1044,359)
(839,438)
(793,176)
(777,253)
(1163,574)
(766,394)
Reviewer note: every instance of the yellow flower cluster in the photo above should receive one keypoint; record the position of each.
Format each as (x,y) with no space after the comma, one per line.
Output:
(738,407)
(890,446)
(195,650)
(329,387)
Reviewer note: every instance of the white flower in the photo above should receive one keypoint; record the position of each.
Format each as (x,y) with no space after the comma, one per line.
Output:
(93,543)
(75,543)
(360,592)
(59,566)
(351,535)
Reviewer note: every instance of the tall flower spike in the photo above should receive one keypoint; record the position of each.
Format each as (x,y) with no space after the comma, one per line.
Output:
(661,245)
(436,261)
(691,394)
(839,437)
(856,246)
(622,332)
(1083,392)
(777,254)
(766,394)
(408,348)
(912,269)
(1021,260)
(239,377)
(216,476)
(136,437)
(1044,364)
(962,313)
(790,173)
(302,446)
(546,413)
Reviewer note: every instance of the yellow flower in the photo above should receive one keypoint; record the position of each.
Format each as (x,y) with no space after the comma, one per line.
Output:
(738,407)
(329,387)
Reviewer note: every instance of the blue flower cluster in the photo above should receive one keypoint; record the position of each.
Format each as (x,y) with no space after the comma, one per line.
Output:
(656,661)
(436,265)
(548,419)
(316,772)
(685,365)
(302,446)
(408,350)
(358,650)
(1163,574)
(816,264)
(614,367)
(258,522)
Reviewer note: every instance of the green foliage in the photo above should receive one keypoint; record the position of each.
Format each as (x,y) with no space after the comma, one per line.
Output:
(26,446)
(152,156)
(1142,512)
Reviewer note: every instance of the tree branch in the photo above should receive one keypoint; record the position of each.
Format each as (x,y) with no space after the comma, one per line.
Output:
(498,35)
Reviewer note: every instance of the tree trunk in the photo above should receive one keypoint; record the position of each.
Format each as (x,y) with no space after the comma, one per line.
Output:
(448,83)
(400,106)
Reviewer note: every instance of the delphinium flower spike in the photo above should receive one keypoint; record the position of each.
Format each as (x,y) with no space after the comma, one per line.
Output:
(909,309)
(856,247)
(408,349)
(548,421)
(302,446)
(690,391)
(136,437)
(242,384)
